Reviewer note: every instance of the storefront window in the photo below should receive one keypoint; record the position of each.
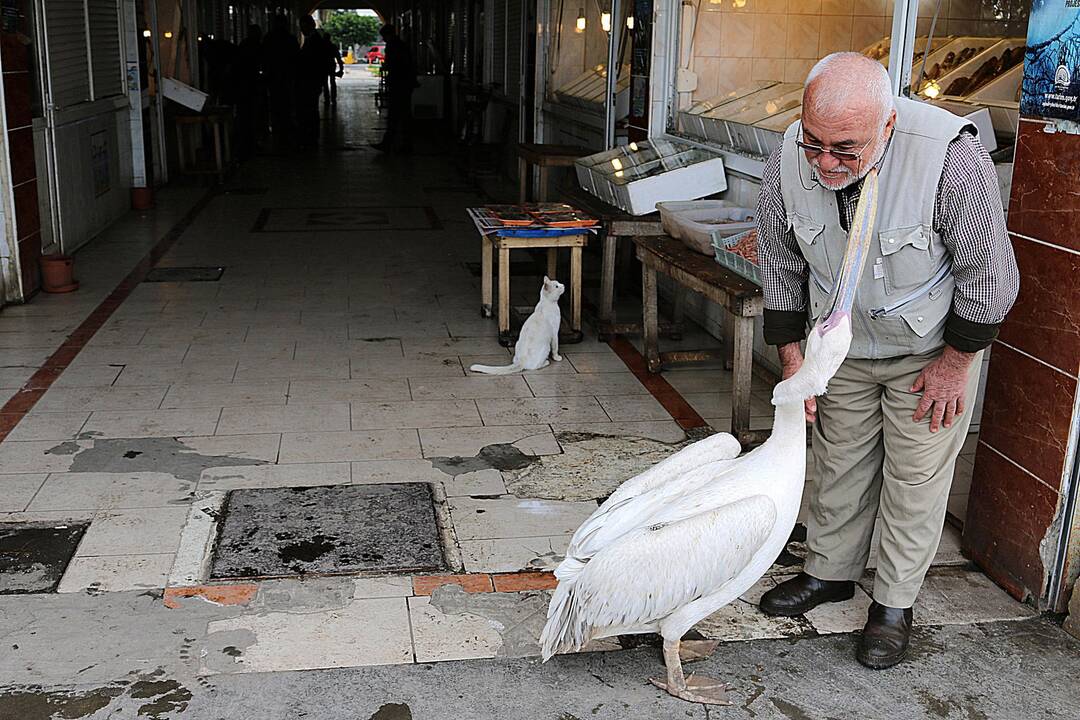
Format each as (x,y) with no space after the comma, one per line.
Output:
(977,64)
(579,53)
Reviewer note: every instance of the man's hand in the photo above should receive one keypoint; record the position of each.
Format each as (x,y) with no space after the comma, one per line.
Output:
(791,359)
(942,384)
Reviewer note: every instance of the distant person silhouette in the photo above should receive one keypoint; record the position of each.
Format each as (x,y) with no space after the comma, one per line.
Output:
(250,93)
(310,78)
(279,67)
(335,69)
(400,71)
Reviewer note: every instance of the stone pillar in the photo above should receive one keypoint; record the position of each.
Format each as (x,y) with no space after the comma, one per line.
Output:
(1023,464)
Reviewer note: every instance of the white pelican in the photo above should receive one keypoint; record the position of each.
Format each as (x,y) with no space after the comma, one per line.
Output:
(685,538)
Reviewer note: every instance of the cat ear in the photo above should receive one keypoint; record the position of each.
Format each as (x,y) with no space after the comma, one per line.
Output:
(547,281)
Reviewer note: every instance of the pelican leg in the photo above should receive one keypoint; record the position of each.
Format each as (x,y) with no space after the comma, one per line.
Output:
(695,650)
(696,688)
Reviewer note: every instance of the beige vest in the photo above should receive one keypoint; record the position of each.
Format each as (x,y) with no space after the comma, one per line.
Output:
(906,290)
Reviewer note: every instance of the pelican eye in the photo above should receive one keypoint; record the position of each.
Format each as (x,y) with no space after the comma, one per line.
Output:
(657,526)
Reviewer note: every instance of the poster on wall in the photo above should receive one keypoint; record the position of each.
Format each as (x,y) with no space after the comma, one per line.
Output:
(1051,86)
(99,162)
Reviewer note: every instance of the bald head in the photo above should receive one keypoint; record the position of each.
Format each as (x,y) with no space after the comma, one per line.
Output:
(845,84)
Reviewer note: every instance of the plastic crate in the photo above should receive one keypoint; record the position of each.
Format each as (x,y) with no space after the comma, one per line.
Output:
(736,263)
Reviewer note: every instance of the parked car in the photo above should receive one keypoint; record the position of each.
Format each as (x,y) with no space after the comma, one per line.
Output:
(376,54)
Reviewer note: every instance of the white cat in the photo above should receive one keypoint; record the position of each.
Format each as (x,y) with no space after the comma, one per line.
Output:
(539,335)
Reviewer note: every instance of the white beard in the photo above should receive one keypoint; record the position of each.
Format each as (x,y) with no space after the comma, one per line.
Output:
(848,178)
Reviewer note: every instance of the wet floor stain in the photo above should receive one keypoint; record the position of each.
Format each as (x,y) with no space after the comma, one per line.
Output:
(32,704)
(129,455)
(33,556)
(283,532)
(501,456)
(393,711)
(165,698)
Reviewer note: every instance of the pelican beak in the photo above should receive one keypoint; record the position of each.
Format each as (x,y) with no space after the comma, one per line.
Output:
(858,247)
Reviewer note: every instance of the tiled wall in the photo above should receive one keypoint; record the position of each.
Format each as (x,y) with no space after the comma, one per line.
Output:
(20,142)
(738,41)
(1031,397)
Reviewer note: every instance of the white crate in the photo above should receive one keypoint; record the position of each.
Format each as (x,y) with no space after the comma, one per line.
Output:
(698,222)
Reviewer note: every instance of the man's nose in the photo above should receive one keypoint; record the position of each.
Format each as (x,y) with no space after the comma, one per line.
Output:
(827,162)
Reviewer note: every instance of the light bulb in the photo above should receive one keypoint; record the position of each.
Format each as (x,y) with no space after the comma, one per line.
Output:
(605,21)
(146,33)
(629,22)
(738,3)
(616,163)
(932,90)
(634,147)
(168,35)
(581,20)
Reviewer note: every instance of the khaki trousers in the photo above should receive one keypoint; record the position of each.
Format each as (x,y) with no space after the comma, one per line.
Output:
(871,458)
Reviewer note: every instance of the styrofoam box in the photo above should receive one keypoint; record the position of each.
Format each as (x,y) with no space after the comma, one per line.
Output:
(693,173)
(186,95)
(957,46)
(979,117)
(698,222)
(972,66)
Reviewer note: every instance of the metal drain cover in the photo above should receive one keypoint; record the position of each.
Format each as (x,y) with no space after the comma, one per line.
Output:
(33,557)
(276,532)
(185,274)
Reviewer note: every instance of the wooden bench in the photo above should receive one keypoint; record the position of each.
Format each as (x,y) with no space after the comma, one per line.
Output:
(220,123)
(702,274)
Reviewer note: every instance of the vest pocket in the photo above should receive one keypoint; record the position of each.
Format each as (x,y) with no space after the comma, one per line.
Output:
(812,245)
(906,255)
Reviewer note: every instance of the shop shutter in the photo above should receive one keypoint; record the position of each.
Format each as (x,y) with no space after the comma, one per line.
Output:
(105,48)
(498,49)
(68,57)
(513,48)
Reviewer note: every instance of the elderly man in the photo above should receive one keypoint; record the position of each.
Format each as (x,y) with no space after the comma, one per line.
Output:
(940,278)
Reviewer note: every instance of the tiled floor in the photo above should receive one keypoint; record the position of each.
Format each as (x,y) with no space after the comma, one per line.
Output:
(333,353)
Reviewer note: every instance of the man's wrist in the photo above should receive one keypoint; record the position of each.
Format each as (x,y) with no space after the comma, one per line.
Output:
(957,358)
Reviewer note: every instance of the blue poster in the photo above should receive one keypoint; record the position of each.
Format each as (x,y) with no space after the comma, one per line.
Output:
(1052,63)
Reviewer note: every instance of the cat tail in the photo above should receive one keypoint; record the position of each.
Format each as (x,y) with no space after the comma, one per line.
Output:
(496,369)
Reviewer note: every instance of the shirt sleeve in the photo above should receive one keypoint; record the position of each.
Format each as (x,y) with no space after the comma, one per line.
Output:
(784,271)
(969,217)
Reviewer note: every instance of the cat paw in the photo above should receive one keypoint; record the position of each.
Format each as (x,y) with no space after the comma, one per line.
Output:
(557,358)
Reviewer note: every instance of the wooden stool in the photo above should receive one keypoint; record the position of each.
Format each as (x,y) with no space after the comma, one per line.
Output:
(544,157)
(220,123)
(490,243)
(739,296)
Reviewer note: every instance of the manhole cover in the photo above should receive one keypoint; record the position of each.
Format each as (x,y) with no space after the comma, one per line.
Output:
(33,557)
(185,274)
(274,532)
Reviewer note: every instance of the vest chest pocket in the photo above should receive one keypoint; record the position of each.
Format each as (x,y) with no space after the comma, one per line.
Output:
(907,259)
(811,236)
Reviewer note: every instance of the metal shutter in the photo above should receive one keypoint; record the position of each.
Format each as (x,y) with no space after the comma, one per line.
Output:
(105,48)
(498,45)
(513,48)
(68,58)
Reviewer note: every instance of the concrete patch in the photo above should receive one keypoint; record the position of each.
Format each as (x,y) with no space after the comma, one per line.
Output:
(132,455)
(33,557)
(517,617)
(590,466)
(275,532)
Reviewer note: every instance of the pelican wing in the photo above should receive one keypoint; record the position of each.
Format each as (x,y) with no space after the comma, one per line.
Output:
(654,571)
(721,446)
(669,502)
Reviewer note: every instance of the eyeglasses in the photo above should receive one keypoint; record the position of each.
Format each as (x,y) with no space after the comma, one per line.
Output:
(813,151)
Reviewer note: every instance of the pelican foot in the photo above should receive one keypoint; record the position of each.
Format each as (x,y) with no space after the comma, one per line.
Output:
(695,650)
(696,689)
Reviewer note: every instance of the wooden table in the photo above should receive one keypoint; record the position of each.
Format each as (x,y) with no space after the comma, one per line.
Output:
(491,243)
(702,274)
(619,225)
(220,122)
(544,157)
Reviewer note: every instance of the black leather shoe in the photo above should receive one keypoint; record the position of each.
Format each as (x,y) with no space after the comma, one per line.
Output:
(885,638)
(803,593)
